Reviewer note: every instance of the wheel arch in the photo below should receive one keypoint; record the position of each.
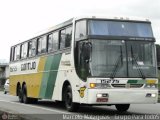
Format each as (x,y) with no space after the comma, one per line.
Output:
(65,84)
(24,90)
(18,85)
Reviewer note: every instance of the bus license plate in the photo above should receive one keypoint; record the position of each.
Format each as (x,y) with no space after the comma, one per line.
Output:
(104,81)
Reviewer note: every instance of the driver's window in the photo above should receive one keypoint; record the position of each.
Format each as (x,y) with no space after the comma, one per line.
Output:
(83,57)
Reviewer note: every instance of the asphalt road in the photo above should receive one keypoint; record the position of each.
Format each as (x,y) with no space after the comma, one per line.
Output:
(49,110)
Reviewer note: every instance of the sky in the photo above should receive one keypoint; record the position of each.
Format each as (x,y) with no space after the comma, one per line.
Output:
(21,19)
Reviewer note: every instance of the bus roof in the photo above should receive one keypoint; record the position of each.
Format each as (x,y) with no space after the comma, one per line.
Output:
(114,18)
(70,21)
(138,19)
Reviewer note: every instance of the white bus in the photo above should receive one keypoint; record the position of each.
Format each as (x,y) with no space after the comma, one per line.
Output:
(88,60)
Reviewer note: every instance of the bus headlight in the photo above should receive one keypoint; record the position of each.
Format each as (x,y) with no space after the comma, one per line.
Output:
(99,85)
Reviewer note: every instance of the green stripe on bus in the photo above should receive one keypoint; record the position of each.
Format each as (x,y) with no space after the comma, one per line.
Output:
(132,81)
(136,81)
(49,76)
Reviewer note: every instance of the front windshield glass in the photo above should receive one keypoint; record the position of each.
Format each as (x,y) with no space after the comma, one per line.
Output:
(119,58)
(108,57)
(141,60)
(118,28)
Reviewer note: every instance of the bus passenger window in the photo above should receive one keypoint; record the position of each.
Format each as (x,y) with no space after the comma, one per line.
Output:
(50,43)
(53,42)
(65,39)
(80,29)
(17,53)
(24,50)
(68,37)
(62,39)
(12,54)
(42,45)
(32,48)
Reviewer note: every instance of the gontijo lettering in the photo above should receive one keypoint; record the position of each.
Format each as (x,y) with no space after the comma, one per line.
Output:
(28,66)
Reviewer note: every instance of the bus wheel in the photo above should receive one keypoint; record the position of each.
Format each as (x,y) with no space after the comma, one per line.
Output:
(122,107)
(26,100)
(70,106)
(20,94)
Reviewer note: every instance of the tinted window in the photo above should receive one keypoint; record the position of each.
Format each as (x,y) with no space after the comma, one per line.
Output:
(24,50)
(62,39)
(17,53)
(53,42)
(80,29)
(50,43)
(12,54)
(116,28)
(42,45)
(68,37)
(32,48)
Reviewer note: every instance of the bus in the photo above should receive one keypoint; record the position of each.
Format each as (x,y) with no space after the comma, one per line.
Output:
(88,61)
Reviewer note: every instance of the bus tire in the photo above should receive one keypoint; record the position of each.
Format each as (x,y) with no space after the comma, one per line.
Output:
(122,107)
(26,99)
(20,94)
(69,104)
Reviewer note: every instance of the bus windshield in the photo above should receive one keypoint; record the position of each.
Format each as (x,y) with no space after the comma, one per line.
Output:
(119,58)
(118,28)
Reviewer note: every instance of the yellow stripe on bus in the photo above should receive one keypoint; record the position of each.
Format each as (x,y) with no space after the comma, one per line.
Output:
(33,80)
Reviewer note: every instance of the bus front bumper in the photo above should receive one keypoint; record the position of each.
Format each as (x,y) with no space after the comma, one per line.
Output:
(122,96)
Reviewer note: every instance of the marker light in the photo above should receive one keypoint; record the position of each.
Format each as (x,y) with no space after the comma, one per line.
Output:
(92,85)
(151,81)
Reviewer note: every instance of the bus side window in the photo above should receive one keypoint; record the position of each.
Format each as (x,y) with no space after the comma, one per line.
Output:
(32,48)
(12,54)
(17,53)
(42,45)
(50,42)
(65,37)
(62,38)
(68,37)
(24,49)
(53,42)
(80,29)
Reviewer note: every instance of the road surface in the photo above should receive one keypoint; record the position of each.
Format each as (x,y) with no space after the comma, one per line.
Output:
(45,109)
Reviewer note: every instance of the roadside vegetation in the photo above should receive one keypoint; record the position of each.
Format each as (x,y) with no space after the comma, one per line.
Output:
(1,88)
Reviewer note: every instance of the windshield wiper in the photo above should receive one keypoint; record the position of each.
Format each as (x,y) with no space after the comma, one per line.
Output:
(120,59)
(135,60)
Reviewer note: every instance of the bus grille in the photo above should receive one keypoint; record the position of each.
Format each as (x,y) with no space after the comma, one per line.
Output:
(127,85)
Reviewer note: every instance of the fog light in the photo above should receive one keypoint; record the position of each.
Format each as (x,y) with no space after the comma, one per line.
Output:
(99,95)
(153,95)
(150,95)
